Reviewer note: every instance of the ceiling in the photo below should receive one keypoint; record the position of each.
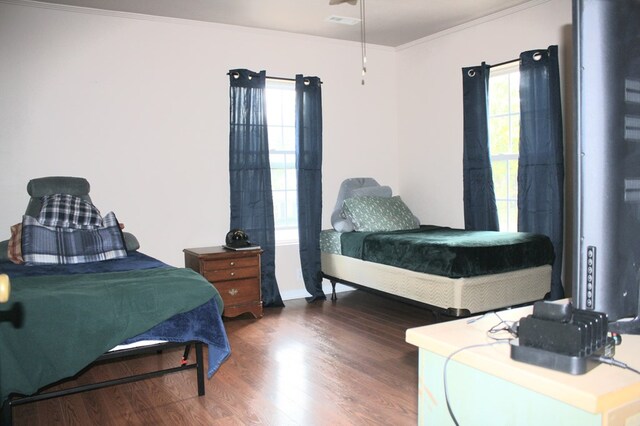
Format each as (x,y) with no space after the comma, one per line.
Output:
(388,22)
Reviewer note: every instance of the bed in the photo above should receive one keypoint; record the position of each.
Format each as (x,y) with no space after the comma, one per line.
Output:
(378,243)
(66,314)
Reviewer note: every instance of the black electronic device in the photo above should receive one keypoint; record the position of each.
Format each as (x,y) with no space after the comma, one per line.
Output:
(606,208)
(563,338)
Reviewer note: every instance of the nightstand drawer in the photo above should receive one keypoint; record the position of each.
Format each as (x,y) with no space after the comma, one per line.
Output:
(240,262)
(238,292)
(230,274)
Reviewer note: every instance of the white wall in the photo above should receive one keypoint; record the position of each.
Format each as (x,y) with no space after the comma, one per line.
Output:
(140,107)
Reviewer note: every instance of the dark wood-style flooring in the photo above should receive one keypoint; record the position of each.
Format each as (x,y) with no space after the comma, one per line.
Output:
(327,363)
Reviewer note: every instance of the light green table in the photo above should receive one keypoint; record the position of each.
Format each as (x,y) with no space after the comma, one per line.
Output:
(486,387)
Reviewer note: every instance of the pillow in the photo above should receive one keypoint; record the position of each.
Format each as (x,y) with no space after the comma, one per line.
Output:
(50,245)
(68,211)
(14,248)
(372,214)
(372,191)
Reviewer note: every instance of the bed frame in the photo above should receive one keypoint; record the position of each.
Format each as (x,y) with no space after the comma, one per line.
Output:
(6,417)
(451,296)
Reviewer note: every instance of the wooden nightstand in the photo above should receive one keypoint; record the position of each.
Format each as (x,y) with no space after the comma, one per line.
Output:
(235,274)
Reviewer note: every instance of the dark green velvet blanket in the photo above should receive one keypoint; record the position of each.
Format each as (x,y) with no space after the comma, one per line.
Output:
(448,252)
(70,320)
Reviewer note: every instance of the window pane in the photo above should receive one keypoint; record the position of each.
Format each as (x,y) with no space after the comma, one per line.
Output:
(278,182)
(292,208)
(292,180)
(499,171)
(503,213)
(275,138)
(288,139)
(289,108)
(504,139)
(279,208)
(274,107)
(499,135)
(282,154)
(499,95)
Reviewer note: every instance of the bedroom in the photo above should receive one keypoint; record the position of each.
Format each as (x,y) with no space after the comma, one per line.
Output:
(139,106)
(152,96)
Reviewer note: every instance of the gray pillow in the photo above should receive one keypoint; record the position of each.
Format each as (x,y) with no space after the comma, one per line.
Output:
(372,191)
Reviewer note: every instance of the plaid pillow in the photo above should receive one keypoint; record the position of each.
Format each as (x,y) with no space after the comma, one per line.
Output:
(69,211)
(15,244)
(54,245)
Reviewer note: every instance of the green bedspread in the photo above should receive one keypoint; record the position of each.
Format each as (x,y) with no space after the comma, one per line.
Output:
(448,252)
(70,320)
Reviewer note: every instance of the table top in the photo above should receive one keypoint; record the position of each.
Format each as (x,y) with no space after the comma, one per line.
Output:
(597,391)
(213,250)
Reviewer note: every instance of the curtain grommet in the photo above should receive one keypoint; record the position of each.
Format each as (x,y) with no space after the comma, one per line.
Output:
(471,73)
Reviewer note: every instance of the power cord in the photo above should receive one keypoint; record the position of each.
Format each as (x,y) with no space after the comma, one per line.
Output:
(615,363)
(495,329)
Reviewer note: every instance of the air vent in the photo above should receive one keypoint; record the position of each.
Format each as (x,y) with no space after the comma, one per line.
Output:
(344,20)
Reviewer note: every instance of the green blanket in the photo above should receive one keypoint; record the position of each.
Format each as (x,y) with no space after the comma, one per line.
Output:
(448,252)
(70,320)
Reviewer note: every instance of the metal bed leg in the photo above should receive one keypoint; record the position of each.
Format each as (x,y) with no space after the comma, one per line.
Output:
(333,291)
(199,368)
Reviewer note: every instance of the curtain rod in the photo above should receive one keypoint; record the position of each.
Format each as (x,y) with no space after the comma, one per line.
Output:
(281,78)
(504,63)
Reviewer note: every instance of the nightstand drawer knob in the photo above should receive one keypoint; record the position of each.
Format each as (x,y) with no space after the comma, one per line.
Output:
(232,274)
(233,291)
(232,263)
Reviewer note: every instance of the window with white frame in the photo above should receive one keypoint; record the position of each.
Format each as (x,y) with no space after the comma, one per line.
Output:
(281,98)
(504,141)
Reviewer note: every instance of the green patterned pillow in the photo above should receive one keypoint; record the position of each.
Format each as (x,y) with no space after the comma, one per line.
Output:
(372,214)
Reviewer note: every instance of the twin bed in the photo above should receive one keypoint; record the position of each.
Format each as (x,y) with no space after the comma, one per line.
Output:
(67,314)
(377,243)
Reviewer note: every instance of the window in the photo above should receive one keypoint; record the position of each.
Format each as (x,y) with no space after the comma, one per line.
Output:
(281,99)
(504,140)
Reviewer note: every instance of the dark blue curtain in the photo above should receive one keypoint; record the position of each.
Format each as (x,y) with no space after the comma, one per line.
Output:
(541,163)
(480,212)
(250,172)
(309,173)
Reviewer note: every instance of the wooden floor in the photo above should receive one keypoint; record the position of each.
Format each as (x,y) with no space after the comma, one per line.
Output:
(327,363)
